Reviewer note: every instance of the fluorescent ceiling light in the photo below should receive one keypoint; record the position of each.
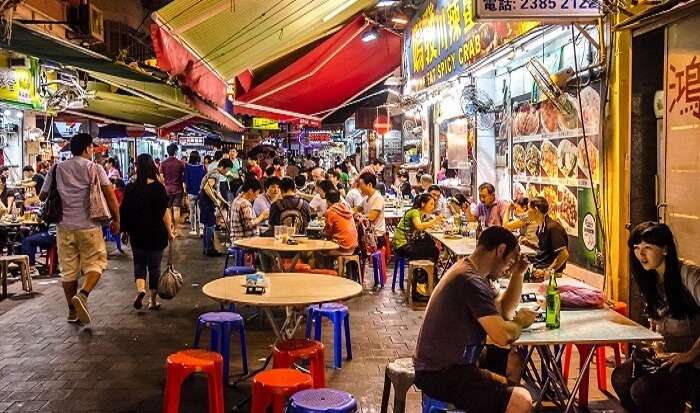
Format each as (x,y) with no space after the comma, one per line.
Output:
(543,39)
(400,19)
(370,35)
(387,3)
(339,10)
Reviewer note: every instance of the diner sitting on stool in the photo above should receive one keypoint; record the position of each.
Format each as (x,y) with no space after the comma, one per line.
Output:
(463,309)
(410,239)
(340,228)
(670,289)
(43,239)
(552,248)
(373,205)
(490,210)
(244,222)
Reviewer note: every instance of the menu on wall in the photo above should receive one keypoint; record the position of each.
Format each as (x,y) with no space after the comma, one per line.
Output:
(392,146)
(552,158)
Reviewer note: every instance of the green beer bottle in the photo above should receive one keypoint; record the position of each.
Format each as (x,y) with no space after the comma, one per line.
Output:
(553,303)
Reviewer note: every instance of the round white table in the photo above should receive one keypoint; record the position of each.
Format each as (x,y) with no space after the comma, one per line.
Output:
(294,291)
(276,247)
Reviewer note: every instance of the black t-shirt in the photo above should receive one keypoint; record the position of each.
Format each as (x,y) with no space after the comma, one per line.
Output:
(452,318)
(406,190)
(142,212)
(39,182)
(552,239)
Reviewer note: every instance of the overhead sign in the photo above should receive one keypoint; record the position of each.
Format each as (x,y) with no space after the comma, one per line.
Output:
(264,123)
(543,10)
(443,38)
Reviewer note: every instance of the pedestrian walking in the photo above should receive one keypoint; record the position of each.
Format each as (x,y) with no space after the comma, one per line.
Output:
(173,171)
(81,246)
(194,173)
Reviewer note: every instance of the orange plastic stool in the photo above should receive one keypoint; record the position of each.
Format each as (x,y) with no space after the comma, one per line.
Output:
(274,387)
(286,353)
(323,271)
(183,363)
(601,369)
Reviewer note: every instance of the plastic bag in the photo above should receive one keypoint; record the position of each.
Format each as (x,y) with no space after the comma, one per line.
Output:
(575,294)
(170,282)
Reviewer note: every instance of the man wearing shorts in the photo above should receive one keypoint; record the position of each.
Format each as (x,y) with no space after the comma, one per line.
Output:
(173,171)
(462,310)
(81,246)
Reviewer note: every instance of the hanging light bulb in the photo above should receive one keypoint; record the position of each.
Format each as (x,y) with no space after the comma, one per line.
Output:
(19,114)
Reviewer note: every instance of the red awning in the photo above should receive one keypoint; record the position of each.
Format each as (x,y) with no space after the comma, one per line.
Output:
(335,72)
(180,62)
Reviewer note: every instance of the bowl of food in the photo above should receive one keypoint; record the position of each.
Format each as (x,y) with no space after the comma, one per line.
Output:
(532,160)
(567,153)
(549,159)
(519,159)
(549,115)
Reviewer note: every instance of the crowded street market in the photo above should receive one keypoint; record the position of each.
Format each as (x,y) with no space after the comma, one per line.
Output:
(340,206)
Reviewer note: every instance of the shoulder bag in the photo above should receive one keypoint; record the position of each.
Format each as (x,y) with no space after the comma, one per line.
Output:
(52,210)
(99,210)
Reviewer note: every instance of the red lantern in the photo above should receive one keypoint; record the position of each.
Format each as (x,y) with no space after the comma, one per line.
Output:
(382,125)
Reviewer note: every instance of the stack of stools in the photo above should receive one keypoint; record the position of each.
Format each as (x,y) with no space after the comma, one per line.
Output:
(221,325)
(583,351)
(286,353)
(339,315)
(238,267)
(399,267)
(272,388)
(322,400)
(183,363)
(429,268)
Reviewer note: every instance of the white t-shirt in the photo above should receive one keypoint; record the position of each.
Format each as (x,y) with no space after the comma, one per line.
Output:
(372,203)
(318,205)
(354,198)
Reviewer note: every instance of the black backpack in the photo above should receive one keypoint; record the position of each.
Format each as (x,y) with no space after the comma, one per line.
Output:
(292,217)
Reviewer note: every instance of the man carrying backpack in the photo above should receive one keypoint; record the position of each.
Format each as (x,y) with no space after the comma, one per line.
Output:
(290,210)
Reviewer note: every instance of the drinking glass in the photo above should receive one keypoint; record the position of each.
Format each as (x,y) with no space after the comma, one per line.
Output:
(279,231)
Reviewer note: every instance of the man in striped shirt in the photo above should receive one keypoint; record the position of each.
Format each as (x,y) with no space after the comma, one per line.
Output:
(244,223)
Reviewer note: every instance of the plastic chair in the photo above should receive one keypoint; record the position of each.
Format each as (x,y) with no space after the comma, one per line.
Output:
(601,368)
(221,324)
(238,255)
(322,401)
(272,388)
(238,270)
(431,405)
(288,352)
(379,267)
(399,374)
(339,316)
(400,267)
(183,363)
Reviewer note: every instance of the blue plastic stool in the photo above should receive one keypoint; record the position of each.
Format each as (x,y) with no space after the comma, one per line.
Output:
(378,267)
(238,270)
(339,316)
(221,324)
(238,255)
(117,239)
(431,405)
(399,264)
(322,401)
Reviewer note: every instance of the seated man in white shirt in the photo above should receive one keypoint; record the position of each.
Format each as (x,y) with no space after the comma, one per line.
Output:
(354,196)
(373,205)
(318,203)
(265,200)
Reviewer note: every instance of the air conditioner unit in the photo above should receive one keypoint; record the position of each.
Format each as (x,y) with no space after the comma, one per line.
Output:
(86,20)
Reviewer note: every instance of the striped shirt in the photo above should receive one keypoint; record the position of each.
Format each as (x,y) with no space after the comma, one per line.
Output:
(242,216)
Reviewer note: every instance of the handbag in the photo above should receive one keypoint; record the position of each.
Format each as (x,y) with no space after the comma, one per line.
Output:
(52,210)
(170,282)
(644,362)
(99,209)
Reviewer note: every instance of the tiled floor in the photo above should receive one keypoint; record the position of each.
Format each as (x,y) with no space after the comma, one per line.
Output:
(116,364)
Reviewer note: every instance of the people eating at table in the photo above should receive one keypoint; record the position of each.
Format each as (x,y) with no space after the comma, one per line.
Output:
(462,311)
(43,239)
(518,222)
(333,175)
(425,181)
(340,228)
(318,203)
(290,210)
(553,242)
(244,222)
(376,166)
(436,193)
(410,239)
(7,195)
(33,181)
(265,200)
(354,197)
(403,189)
(670,288)
(372,205)
(491,210)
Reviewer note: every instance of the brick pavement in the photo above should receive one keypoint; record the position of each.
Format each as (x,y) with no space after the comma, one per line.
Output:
(116,364)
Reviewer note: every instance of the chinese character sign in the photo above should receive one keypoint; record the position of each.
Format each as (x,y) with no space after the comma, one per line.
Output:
(684,88)
(543,10)
(443,38)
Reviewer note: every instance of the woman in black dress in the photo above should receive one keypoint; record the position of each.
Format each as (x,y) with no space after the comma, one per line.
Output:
(146,223)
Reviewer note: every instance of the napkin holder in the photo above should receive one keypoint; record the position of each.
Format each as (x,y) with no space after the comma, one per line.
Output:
(255,284)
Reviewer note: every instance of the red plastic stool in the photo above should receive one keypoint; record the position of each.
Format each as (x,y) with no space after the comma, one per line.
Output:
(51,259)
(286,353)
(183,363)
(601,368)
(274,387)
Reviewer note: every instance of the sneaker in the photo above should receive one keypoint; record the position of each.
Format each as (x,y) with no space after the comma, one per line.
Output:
(72,316)
(154,306)
(80,303)
(193,233)
(138,302)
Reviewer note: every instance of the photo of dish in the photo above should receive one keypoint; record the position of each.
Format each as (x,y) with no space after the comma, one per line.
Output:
(549,192)
(567,153)
(590,103)
(591,157)
(549,114)
(570,119)
(532,191)
(519,159)
(503,128)
(519,191)
(527,121)
(532,160)
(549,159)
(568,210)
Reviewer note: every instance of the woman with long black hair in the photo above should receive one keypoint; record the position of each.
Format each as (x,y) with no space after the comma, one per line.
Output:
(146,223)
(670,288)
(410,240)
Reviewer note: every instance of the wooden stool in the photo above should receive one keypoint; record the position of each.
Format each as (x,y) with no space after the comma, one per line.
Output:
(23,262)
(344,260)
(428,267)
(400,374)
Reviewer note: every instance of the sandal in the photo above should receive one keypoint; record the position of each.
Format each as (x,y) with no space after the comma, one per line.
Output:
(138,302)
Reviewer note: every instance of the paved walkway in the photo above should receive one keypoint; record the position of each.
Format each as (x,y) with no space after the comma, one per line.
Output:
(116,364)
